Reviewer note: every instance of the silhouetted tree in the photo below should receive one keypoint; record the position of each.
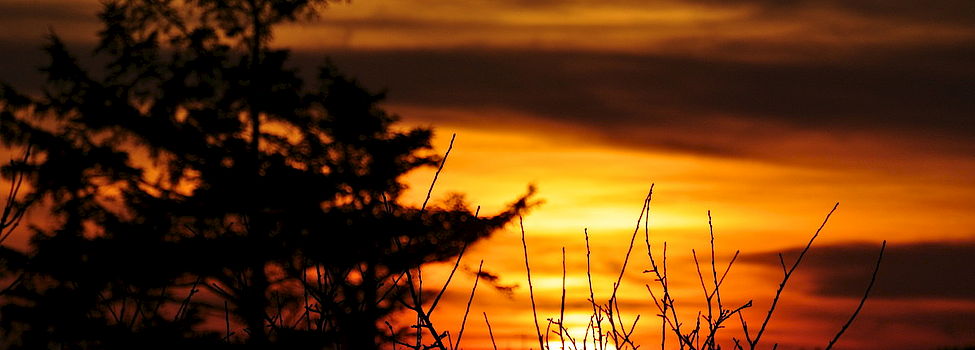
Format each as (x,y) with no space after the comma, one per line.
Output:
(197,192)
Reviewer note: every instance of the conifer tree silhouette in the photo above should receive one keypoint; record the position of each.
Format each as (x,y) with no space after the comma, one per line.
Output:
(199,193)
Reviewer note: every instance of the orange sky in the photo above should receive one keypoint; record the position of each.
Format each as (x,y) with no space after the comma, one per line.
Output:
(757,207)
(764,112)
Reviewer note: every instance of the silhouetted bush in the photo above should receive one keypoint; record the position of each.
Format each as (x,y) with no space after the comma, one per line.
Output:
(611,328)
(199,192)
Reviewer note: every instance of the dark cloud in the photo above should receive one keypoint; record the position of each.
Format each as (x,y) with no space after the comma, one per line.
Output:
(493,280)
(920,99)
(882,325)
(588,87)
(948,329)
(49,12)
(960,12)
(936,11)
(942,270)
(21,62)
(925,95)
(909,96)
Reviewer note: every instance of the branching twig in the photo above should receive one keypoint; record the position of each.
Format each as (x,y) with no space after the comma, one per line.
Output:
(626,259)
(785,279)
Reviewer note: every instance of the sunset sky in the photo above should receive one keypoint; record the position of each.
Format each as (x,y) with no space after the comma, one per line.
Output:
(764,112)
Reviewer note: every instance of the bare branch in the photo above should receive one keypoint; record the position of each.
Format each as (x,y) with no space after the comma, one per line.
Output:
(873,278)
(785,279)
(531,290)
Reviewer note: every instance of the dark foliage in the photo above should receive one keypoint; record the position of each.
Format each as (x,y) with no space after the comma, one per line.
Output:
(198,193)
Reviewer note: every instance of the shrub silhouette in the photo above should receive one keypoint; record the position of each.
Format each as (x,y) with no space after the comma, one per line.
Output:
(198,192)
(608,330)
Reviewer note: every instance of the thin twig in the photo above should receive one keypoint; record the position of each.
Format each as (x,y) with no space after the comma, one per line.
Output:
(449,277)
(186,302)
(226,314)
(785,279)
(8,223)
(531,290)
(716,293)
(597,336)
(468,309)
(727,269)
(490,332)
(437,174)
(562,304)
(873,278)
(626,259)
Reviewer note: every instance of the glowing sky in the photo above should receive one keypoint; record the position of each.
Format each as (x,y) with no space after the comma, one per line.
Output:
(764,112)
